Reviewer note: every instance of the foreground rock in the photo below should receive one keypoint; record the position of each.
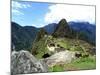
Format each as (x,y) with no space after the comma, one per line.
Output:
(23,62)
(60,58)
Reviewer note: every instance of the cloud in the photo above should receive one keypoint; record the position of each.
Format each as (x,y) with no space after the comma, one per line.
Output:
(70,13)
(16,12)
(16,6)
(38,25)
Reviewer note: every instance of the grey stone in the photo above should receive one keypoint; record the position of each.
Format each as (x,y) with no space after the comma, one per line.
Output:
(23,62)
(60,57)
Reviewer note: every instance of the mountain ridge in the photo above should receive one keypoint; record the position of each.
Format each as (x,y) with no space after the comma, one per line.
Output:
(22,37)
(27,34)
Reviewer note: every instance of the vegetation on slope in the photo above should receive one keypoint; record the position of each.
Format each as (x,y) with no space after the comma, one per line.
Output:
(78,64)
(66,38)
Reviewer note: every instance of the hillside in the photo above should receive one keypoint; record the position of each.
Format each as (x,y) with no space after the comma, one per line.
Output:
(22,37)
(85,28)
(63,36)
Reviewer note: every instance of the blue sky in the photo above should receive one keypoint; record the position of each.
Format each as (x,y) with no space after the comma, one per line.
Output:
(32,14)
(41,14)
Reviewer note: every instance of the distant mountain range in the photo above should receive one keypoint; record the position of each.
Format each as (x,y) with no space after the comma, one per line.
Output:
(50,28)
(23,37)
(81,27)
(88,29)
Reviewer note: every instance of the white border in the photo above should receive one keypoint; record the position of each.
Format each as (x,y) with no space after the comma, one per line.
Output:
(4,37)
(88,2)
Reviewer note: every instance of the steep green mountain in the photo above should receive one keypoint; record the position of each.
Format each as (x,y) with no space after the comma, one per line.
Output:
(39,46)
(63,29)
(22,37)
(81,30)
(41,33)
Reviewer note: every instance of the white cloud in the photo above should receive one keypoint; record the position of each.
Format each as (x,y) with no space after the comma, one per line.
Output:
(16,12)
(16,6)
(39,25)
(70,13)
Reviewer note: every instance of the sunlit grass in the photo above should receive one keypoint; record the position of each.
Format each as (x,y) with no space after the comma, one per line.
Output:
(87,63)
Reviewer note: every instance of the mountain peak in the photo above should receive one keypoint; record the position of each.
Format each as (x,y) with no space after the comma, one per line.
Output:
(63,21)
(63,29)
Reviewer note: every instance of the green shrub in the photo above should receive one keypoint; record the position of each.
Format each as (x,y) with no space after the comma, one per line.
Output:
(56,68)
(85,63)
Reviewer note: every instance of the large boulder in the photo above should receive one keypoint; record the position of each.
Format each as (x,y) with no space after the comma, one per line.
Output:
(60,58)
(23,62)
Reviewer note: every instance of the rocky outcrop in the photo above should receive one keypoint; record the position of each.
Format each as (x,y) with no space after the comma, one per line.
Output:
(23,62)
(60,58)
